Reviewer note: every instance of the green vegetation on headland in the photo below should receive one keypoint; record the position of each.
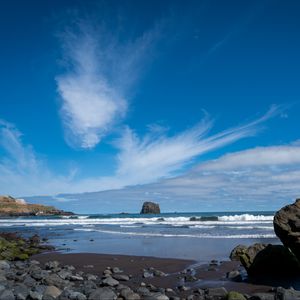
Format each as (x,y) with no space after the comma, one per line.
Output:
(11,207)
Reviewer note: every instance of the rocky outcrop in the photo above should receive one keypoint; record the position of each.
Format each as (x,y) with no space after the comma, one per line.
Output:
(150,208)
(246,254)
(15,247)
(12,207)
(287,226)
(275,260)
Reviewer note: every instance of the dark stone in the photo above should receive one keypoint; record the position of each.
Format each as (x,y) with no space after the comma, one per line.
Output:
(274,261)
(287,226)
(245,254)
(237,252)
(150,208)
(103,294)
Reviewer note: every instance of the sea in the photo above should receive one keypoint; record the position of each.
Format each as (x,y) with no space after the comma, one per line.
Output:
(198,236)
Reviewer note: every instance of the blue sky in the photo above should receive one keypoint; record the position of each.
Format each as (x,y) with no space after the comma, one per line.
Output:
(127,101)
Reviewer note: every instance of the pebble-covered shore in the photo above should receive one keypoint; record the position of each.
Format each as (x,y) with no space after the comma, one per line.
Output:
(30,279)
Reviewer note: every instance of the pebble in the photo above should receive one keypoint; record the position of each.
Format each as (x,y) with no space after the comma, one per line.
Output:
(121,277)
(4,265)
(103,294)
(110,281)
(33,281)
(7,295)
(52,292)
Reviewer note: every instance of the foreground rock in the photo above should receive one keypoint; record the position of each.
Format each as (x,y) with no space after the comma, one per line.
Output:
(12,207)
(150,208)
(30,280)
(275,260)
(287,226)
(14,247)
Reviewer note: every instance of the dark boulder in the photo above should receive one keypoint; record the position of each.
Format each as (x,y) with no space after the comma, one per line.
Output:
(261,260)
(274,261)
(150,208)
(287,226)
(246,254)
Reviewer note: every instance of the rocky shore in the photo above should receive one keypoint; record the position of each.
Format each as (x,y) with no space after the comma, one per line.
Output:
(48,280)
(256,272)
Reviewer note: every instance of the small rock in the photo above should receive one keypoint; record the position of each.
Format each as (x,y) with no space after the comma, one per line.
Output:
(121,277)
(54,279)
(7,295)
(287,294)
(29,281)
(109,281)
(52,265)
(156,296)
(69,268)
(21,291)
(35,295)
(103,294)
(116,270)
(52,292)
(91,277)
(234,275)
(147,274)
(4,265)
(77,296)
(128,294)
(76,278)
(143,291)
(107,272)
(63,274)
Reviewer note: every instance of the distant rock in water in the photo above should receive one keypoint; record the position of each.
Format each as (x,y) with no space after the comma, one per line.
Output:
(12,207)
(204,218)
(287,226)
(150,208)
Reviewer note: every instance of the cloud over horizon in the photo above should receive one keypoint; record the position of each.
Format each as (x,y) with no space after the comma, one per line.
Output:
(100,71)
(140,160)
(232,182)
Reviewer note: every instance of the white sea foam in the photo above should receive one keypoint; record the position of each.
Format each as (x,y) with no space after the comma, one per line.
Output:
(238,220)
(210,236)
(245,217)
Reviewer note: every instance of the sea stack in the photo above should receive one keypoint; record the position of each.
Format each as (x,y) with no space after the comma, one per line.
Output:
(150,208)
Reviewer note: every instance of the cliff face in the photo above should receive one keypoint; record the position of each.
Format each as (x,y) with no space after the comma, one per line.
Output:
(10,206)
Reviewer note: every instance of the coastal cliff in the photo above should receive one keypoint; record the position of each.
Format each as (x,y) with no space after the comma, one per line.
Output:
(12,207)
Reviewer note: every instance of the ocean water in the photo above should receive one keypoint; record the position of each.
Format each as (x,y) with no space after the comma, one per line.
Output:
(197,236)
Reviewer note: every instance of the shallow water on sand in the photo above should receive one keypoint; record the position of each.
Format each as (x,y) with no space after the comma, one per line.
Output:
(197,236)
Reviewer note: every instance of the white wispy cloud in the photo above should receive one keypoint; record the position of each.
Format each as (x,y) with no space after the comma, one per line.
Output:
(94,88)
(263,178)
(154,156)
(140,160)
(22,172)
(257,157)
